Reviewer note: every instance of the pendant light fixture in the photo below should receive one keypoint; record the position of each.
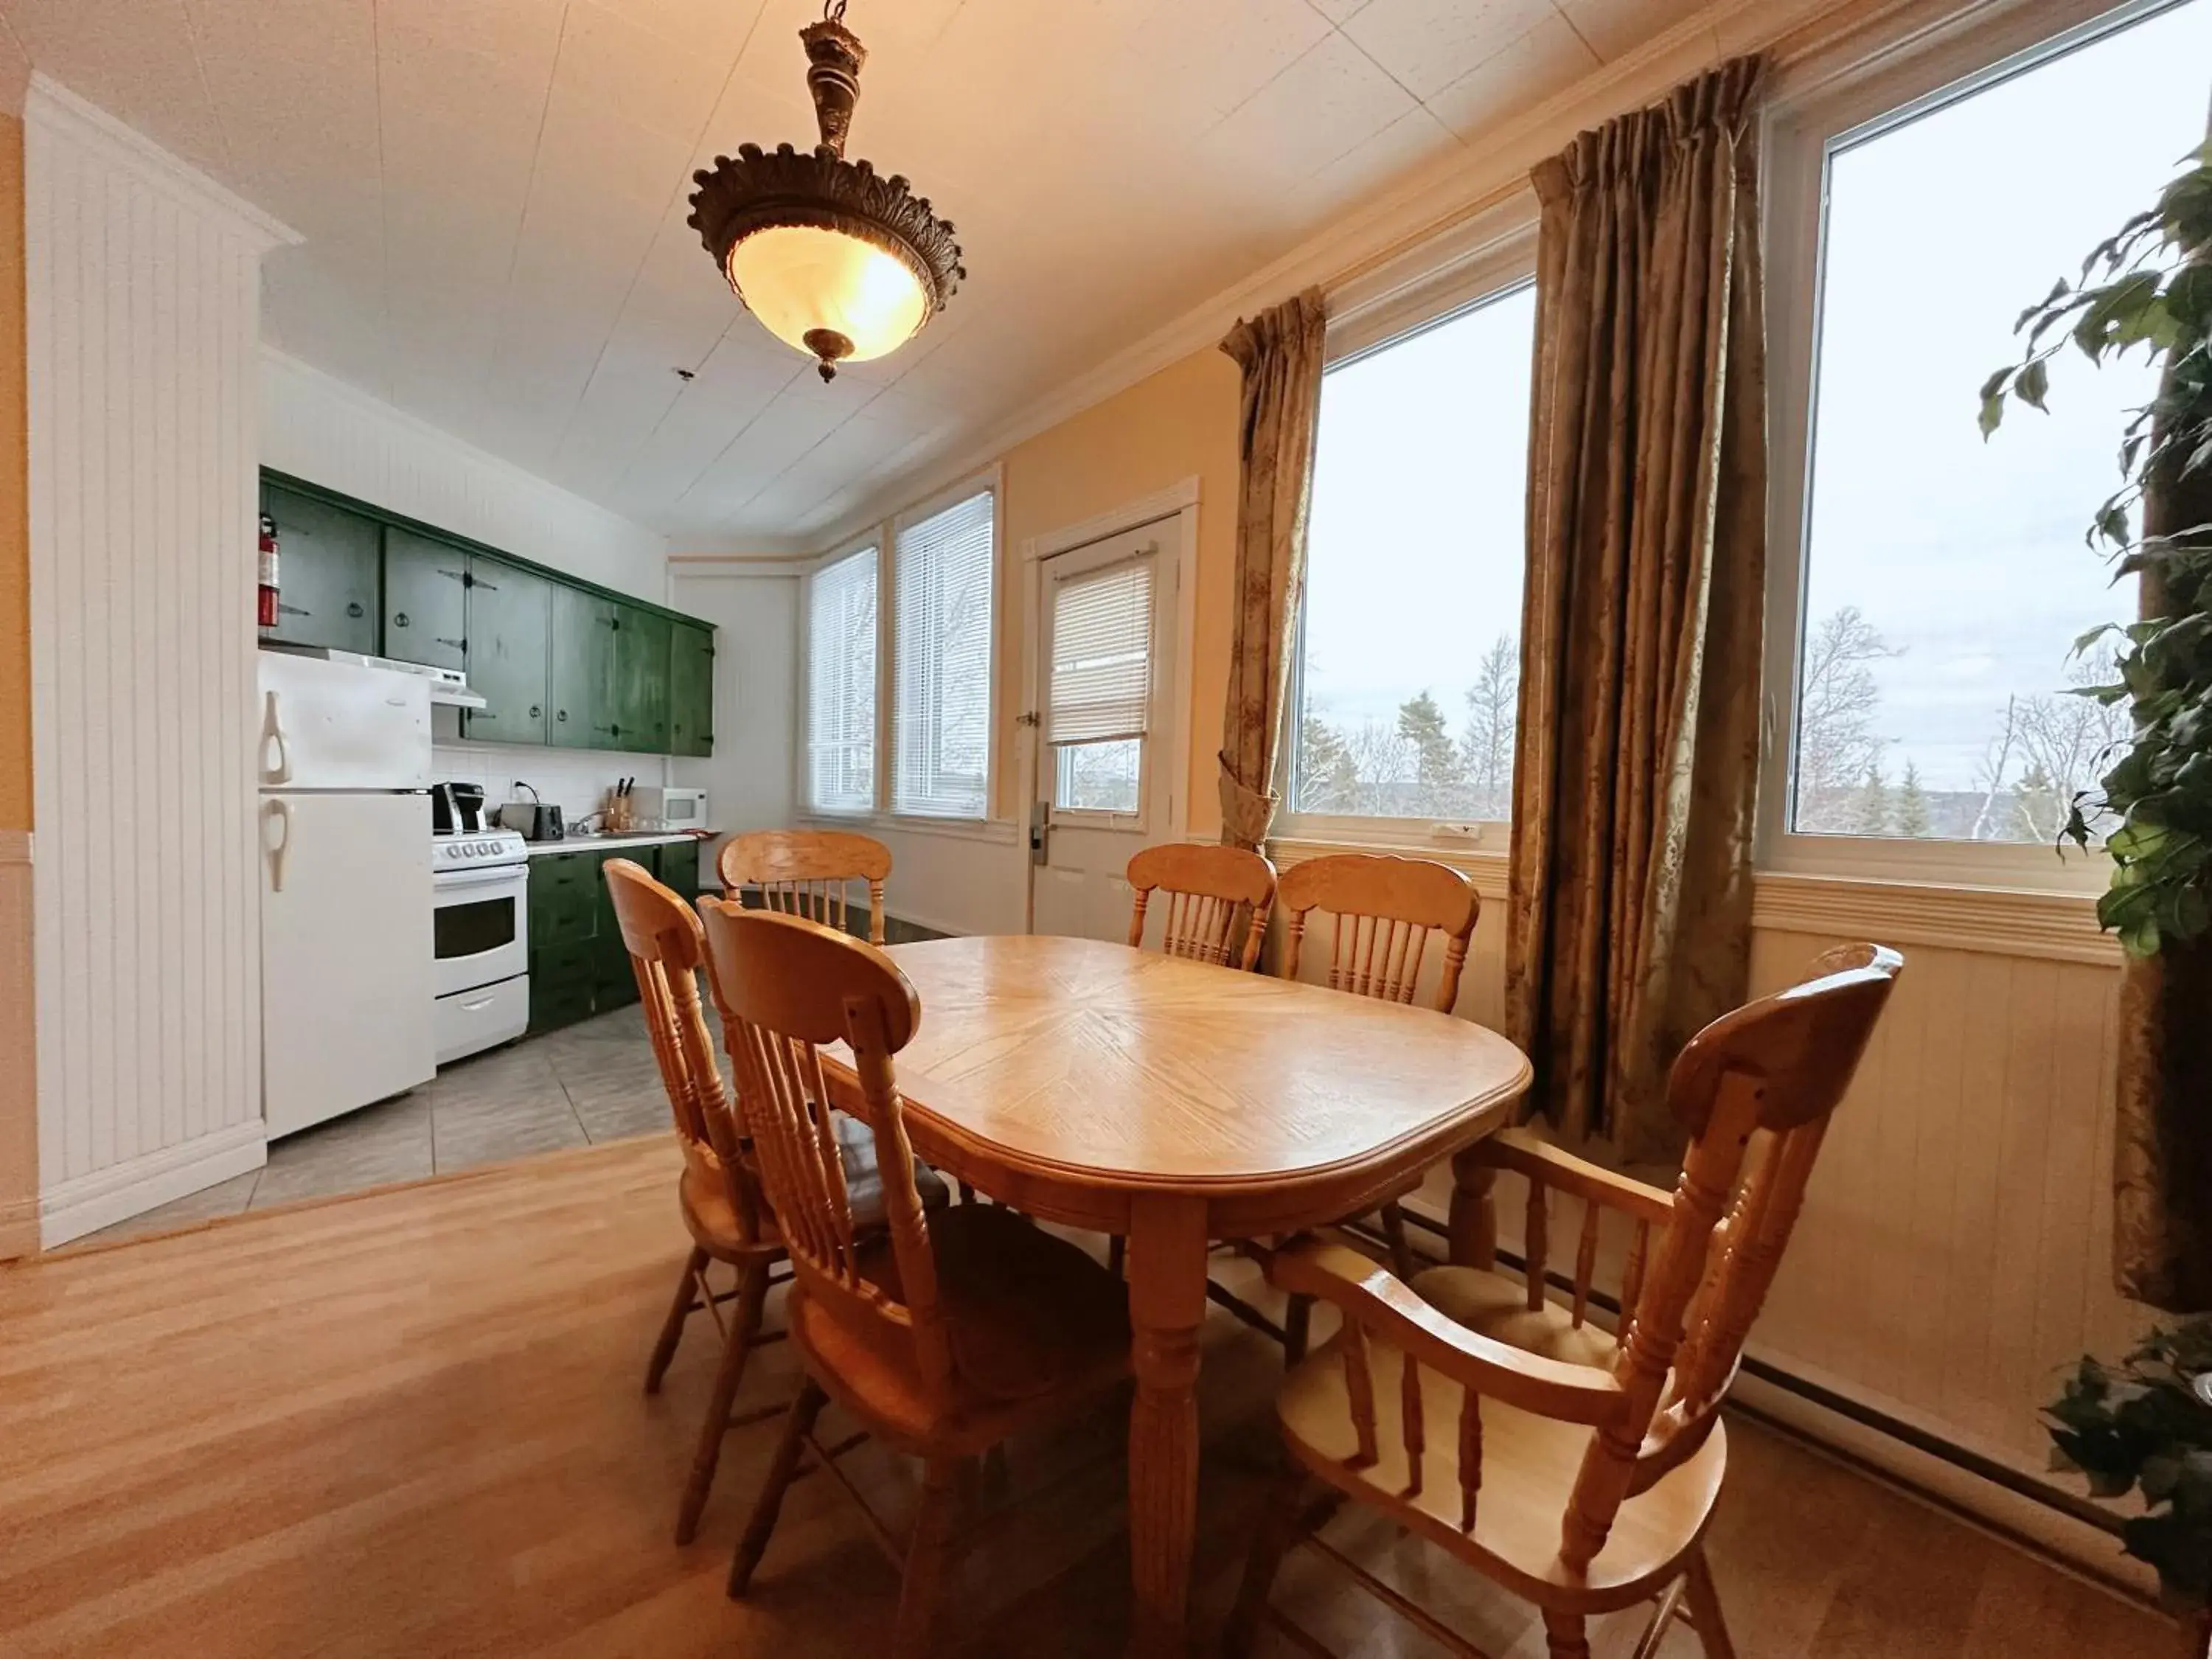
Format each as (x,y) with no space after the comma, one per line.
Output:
(834,260)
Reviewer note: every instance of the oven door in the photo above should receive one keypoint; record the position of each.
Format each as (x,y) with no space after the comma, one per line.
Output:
(480,925)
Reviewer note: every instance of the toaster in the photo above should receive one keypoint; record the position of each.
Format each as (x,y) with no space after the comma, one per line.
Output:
(533,820)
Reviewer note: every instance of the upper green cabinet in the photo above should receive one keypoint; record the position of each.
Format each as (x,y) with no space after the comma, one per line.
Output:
(509,666)
(425,595)
(329,572)
(641,681)
(584,715)
(690,690)
(556,660)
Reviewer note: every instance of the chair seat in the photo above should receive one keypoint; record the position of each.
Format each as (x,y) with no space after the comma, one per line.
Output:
(1034,1324)
(1528,1466)
(714,1224)
(1498,1307)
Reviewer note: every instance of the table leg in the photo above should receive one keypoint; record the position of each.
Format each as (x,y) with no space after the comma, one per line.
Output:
(1474,1212)
(1167,1303)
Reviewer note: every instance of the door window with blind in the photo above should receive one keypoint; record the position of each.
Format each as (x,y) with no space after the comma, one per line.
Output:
(1099,690)
(942,576)
(841,685)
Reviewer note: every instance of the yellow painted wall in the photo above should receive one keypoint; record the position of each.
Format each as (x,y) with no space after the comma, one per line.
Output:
(1180,423)
(15,524)
(19,1101)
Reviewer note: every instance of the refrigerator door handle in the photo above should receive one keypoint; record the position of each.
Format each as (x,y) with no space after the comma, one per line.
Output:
(272,735)
(279,812)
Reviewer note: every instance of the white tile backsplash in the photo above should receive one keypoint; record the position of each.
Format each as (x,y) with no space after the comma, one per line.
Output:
(575,781)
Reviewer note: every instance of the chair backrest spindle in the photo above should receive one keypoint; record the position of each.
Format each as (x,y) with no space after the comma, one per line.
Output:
(808,873)
(1385,912)
(1207,888)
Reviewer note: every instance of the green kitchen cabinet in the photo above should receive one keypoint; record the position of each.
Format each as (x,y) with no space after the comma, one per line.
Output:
(642,643)
(578,966)
(330,573)
(690,690)
(679,868)
(582,664)
(510,630)
(425,601)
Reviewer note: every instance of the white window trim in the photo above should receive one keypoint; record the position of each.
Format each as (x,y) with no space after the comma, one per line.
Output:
(1924,59)
(1489,255)
(991,479)
(802,780)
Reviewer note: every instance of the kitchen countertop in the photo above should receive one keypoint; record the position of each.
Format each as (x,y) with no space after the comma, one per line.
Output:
(601,843)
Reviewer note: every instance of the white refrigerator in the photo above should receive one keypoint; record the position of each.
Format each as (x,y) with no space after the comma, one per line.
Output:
(346,954)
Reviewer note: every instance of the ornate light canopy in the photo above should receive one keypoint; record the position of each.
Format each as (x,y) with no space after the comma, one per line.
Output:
(834,259)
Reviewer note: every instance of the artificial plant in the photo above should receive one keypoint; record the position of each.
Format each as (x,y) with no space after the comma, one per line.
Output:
(2149,285)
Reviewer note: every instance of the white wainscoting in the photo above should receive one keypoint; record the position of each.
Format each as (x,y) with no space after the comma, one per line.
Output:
(322,430)
(142,294)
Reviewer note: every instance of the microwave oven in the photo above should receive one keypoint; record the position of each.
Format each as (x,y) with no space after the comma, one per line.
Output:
(670,806)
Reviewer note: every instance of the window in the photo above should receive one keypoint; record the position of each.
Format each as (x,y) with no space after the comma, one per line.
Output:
(841,685)
(1409,657)
(1099,703)
(1944,579)
(942,571)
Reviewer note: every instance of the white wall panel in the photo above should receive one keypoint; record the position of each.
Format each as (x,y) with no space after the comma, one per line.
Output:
(334,435)
(142,289)
(748,778)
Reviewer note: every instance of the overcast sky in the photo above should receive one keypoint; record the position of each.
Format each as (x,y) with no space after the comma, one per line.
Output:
(1968,557)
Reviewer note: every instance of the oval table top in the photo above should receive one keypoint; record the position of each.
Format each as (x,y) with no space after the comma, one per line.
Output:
(1077,1061)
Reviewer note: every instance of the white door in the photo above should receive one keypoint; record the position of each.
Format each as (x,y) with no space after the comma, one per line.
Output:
(1105,624)
(346,954)
(341,725)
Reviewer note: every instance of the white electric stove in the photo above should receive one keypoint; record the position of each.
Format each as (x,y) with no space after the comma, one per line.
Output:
(480,927)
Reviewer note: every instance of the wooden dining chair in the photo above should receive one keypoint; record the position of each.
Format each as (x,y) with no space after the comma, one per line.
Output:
(729,1220)
(1576,1473)
(808,872)
(1206,888)
(942,1335)
(1384,914)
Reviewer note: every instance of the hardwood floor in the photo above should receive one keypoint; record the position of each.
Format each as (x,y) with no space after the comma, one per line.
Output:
(412,1423)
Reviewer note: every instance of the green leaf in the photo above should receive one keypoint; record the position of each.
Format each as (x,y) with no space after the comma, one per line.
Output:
(2033,384)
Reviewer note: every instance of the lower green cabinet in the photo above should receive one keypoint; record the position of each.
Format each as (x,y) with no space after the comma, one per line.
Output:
(578,966)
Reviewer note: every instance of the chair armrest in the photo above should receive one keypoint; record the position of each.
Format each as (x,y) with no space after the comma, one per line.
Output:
(1524,1154)
(1371,1298)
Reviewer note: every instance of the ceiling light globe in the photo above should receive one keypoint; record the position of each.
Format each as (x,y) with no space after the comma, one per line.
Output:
(806,284)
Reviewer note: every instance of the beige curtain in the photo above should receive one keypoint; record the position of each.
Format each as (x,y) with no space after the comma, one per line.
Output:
(1281,353)
(1629,923)
(2162,1155)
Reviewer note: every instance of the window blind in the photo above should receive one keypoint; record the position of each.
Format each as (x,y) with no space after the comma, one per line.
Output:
(1102,654)
(841,685)
(942,569)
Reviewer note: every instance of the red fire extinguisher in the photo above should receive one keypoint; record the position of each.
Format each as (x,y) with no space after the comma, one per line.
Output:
(268,613)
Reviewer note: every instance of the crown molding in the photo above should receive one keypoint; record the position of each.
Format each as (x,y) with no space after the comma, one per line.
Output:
(1429,204)
(51,107)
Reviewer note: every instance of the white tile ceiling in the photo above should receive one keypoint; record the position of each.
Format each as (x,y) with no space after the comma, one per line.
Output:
(494,192)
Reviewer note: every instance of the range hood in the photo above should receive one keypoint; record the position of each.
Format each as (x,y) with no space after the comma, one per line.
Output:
(449,687)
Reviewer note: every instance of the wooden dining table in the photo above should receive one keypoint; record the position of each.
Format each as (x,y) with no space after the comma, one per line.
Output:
(1177,1104)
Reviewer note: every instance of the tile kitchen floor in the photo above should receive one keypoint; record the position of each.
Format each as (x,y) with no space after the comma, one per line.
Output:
(588,1083)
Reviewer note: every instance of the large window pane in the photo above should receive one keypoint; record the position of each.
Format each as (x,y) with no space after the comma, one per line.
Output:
(941,586)
(841,685)
(1410,651)
(1947,578)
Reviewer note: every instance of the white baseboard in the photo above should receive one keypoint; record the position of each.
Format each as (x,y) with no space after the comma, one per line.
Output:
(90,1202)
